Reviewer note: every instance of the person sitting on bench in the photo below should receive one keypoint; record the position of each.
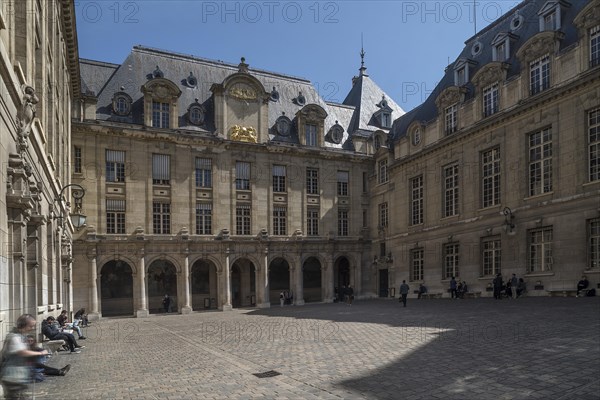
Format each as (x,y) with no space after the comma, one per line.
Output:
(422,290)
(582,284)
(51,331)
(38,364)
(62,321)
(81,316)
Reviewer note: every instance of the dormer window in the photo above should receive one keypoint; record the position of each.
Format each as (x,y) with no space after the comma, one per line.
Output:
(377,142)
(386,119)
(384,115)
(539,75)
(490,100)
(160,103)
(121,104)
(310,135)
(160,114)
(196,114)
(462,71)
(550,15)
(460,76)
(416,137)
(451,119)
(336,133)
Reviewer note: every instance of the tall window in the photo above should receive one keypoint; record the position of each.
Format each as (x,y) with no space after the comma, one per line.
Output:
(203,218)
(490,176)
(594,144)
(115,216)
(500,52)
(490,100)
(242,220)
(278,178)
(77,160)
(595,46)
(451,190)
(540,162)
(539,74)
(161,171)
(416,264)
(450,260)
(242,175)
(540,250)
(343,177)
(115,166)
(160,114)
(461,76)
(451,119)
(342,222)
(312,222)
(383,215)
(312,181)
(491,257)
(550,21)
(311,134)
(203,172)
(416,200)
(383,171)
(594,243)
(279,221)
(161,217)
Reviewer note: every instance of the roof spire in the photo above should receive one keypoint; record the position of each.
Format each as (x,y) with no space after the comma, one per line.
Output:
(362,57)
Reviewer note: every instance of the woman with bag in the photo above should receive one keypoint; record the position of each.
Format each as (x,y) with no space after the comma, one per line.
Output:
(16,372)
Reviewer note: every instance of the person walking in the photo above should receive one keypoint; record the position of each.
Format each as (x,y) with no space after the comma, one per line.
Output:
(498,286)
(404,292)
(167,303)
(453,288)
(514,284)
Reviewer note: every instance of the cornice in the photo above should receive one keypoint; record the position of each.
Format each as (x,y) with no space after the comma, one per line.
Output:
(70,36)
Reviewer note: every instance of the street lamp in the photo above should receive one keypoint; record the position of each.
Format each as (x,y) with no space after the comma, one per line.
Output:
(77,217)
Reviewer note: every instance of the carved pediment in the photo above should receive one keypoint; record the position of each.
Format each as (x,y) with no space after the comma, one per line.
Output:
(449,96)
(589,16)
(161,89)
(312,113)
(490,73)
(543,43)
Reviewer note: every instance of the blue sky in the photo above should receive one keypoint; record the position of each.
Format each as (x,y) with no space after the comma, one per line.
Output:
(407,43)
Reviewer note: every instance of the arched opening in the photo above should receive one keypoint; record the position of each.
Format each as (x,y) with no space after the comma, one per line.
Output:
(204,285)
(116,289)
(311,278)
(243,283)
(341,276)
(162,280)
(279,279)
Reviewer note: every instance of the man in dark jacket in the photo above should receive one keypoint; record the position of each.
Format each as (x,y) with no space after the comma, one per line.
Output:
(51,331)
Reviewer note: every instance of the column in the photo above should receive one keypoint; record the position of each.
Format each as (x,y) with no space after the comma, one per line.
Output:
(227,277)
(328,282)
(187,306)
(142,311)
(94,313)
(299,287)
(262,283)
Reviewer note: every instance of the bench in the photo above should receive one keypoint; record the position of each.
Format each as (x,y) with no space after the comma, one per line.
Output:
(562,292)
(53,346)
(472,295)
(431,296)
(584,292)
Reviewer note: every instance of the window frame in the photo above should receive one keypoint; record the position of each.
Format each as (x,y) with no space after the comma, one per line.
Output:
(161,217)
(416,201)
(343,223)
(491,256)
(243,219)
(451,119)
(204,212)
(540,171)
(161,114)
(343,185)
(593,144)
(451,257)
(203,172)
(451,189)
(115,216)
(115,165)
(279,178)
(243,175)
(310,135)
(491,177)
(539,75)
(535,264)
(312,181)
(312,222)
(490,98)
(417,264)
(280,221)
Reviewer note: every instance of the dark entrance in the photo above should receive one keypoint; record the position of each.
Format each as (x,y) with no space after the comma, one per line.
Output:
(279,279)
(116,289)
(243,283)
(311,280)
(204,285)
(383,283)
(162,279)
(341,276)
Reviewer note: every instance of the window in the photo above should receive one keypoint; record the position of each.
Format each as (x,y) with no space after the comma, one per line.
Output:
(242,175)
(196,115)
(377,142)
(77,160)
(160,114)
(312,181)
(161,217)
(539,75)
(491,257)
(451,190)
(203,172)
(121,106)
(342,183)
(540,162)
(342,222)
(115,216)
(550,21)
(540,250)
(278,178)
(311,135)
(500,52)
(161,171)
(416,264)
(594,243)
(451,119)
(383,215)
(386,120)
(490,172)
(416,200)
(490,100)
(595,46)
(450,260)
(115,166)
(279,221)
(242,220)
(594,144)
(312,222)
(203,218)
(383,171)
(364,218)
(461,76)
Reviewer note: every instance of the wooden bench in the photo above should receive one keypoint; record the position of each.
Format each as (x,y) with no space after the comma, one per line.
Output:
(562,292)
(472,295)
(431,296)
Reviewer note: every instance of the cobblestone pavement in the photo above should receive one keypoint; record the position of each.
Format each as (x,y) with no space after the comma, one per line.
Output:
(534,348)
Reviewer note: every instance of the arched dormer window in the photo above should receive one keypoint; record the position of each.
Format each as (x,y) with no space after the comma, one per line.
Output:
(587,22)
(487,82)
(311,121)
(121,104)
(536,56)
(448,103)
(160,103)
(462,71)
(550,15)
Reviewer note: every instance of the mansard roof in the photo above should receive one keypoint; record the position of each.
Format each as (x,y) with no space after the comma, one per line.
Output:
(527,12)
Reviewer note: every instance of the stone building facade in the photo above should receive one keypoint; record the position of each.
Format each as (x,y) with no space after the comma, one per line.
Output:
(39,77)
(498,170)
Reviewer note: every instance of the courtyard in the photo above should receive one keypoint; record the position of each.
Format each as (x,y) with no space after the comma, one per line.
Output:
(534,348)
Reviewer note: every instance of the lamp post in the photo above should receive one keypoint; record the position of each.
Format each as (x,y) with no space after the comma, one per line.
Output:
(77,217)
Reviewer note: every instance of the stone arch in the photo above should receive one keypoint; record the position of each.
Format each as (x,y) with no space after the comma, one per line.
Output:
(312,279)
(204,284)
(161,279)
(214,260)
(342,274)
(243,282)
(116,288)
(279,278)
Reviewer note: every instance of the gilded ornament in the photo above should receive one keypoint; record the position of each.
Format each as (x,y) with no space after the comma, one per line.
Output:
(243,134)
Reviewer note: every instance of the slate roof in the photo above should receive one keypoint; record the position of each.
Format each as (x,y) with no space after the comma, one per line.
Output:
(529,9)
(105,79)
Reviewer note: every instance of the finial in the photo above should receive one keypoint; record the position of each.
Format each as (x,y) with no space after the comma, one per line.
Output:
(362,57)
(243,67)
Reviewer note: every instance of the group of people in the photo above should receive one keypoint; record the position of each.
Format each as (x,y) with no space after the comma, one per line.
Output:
(513,288)
(23,361)
(345,294)
(285,298)
(458,288)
